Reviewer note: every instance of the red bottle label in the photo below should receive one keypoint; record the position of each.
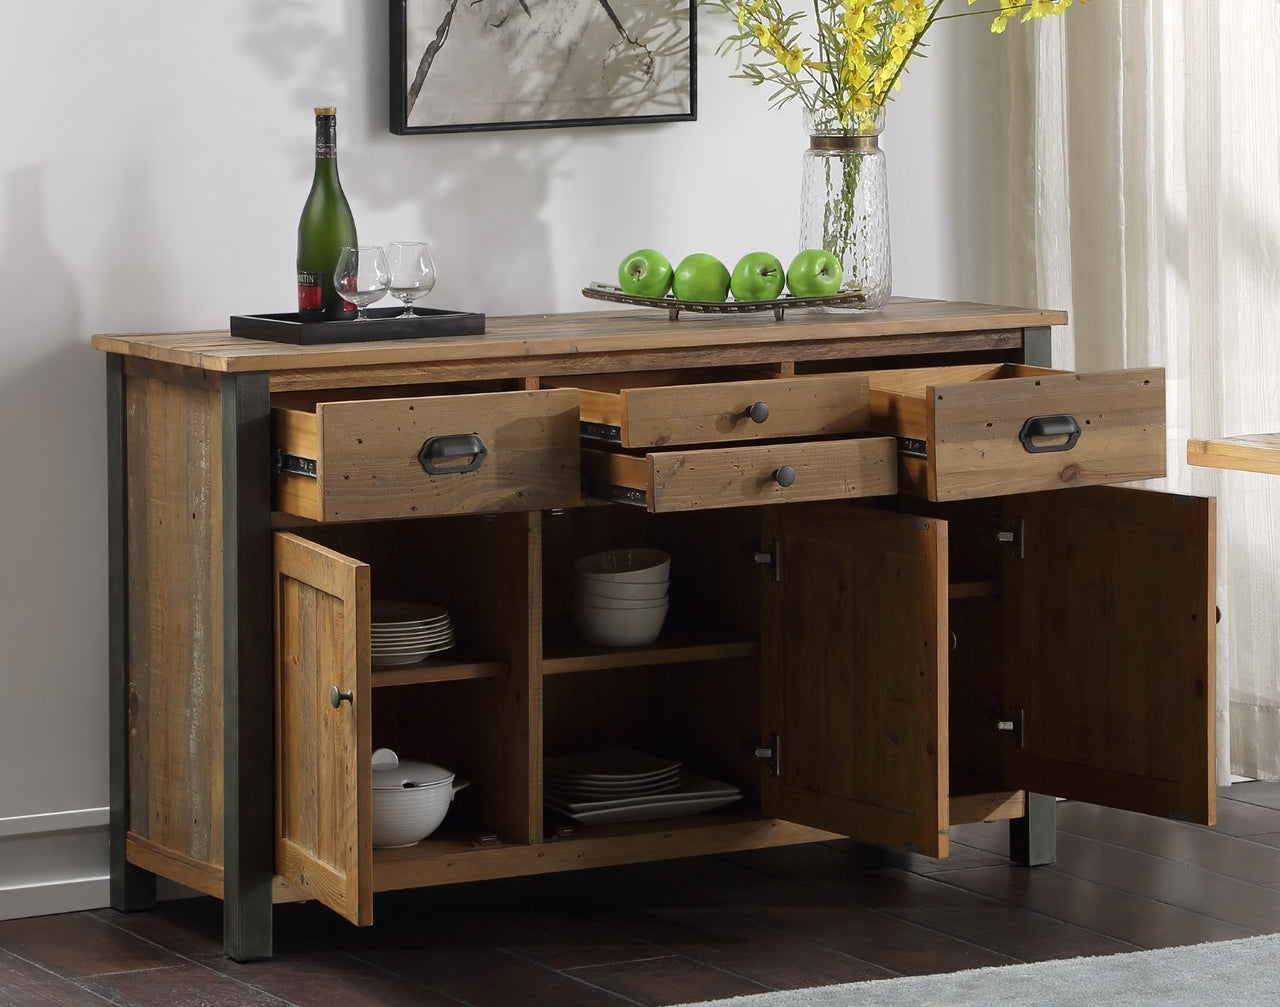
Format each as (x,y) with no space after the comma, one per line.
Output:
(310,298)
(310,291)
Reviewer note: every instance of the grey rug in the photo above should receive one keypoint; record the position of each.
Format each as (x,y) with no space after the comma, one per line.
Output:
(1234,973)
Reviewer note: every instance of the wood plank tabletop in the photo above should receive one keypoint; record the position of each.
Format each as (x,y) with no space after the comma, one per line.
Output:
(557,335)
(1246,452)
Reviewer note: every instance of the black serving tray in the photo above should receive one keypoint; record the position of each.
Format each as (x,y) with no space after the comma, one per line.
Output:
(382,323)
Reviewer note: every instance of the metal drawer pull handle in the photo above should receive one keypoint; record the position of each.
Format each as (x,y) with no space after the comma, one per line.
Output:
(784,475)
(757,412)
(337,697)
(1061,425)
(466,446)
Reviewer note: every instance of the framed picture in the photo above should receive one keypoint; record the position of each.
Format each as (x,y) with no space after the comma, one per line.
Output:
(462,65)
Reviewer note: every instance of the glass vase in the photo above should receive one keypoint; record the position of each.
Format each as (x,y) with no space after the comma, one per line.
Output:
(844,201)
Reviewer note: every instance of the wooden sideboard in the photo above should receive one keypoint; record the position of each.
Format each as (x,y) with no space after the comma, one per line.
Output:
(904,593)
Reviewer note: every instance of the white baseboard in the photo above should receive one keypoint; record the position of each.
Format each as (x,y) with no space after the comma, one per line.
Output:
(53,863)
(59,863)
(47,898)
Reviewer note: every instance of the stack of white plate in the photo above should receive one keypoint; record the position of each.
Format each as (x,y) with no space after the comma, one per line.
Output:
(626,785)
(620,596)
(408,632)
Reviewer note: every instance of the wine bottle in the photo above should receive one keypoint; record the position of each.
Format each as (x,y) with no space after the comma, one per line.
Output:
(326,226)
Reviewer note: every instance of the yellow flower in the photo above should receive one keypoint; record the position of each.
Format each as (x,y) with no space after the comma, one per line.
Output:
(765,36)
(846,65)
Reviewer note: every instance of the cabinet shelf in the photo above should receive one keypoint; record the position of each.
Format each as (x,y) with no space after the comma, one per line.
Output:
(454,667)
(976,801)
(453,858)
(566,653)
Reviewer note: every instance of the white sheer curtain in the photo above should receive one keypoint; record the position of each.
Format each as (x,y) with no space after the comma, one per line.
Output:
(1154,130)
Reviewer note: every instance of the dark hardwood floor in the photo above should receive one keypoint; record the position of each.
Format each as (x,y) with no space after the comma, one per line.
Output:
(695,929)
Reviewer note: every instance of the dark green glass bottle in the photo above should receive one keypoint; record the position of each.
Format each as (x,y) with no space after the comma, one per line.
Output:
(326,226)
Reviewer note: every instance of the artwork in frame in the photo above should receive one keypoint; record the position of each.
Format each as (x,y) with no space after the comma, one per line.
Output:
(463,65)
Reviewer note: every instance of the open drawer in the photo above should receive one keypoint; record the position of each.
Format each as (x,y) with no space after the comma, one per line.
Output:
(653,409)
(743,475)
(363,459)
(994,429)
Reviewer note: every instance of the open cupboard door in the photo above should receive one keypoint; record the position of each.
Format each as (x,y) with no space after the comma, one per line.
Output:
(323,727)
(1109,649)
(855,674)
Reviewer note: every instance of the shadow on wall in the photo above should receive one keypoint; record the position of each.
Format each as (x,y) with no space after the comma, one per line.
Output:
(479,198)
(51,664)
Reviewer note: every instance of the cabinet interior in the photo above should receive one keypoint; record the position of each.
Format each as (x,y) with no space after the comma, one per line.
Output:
(694,695)
(703,712)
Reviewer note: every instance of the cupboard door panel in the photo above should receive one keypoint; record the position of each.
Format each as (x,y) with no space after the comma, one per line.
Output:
(323,752)
(855,674)
(1110,625)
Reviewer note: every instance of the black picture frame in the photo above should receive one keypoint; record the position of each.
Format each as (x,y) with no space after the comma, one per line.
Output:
(560,63)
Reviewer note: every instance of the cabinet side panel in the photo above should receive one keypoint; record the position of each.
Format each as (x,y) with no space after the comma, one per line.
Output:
(175,615)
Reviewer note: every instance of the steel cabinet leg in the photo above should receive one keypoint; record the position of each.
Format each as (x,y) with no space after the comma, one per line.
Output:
(1033,840)
(132,888)
(248,759)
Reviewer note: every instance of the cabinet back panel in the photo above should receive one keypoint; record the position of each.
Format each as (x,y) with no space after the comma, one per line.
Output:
(481,569)
(710,715)
(470,728)
(476,568)
(976,676)
(714,583)
(582,713)
(702,714)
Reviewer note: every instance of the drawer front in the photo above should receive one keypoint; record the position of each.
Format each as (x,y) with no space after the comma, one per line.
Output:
(745,476)
(726,411)
(1025,429)
(448,454)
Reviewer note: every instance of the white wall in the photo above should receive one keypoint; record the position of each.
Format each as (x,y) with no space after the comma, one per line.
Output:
(154,157)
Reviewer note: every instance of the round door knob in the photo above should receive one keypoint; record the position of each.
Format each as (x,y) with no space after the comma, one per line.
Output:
(784,475)
(757,412)
(337,697)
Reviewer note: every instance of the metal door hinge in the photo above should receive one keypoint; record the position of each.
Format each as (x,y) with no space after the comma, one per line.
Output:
(772,753)
(1014,537)
(1015,726)
(768,556)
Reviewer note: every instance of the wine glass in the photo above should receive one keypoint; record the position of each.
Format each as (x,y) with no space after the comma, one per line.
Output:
(362,276)
(413,273)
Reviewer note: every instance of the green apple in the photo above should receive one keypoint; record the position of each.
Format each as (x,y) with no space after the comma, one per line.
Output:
(758,276)
(645,273)
(814,272)
(700,277)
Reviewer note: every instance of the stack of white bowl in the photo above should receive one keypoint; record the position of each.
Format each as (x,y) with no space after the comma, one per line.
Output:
(620,596)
